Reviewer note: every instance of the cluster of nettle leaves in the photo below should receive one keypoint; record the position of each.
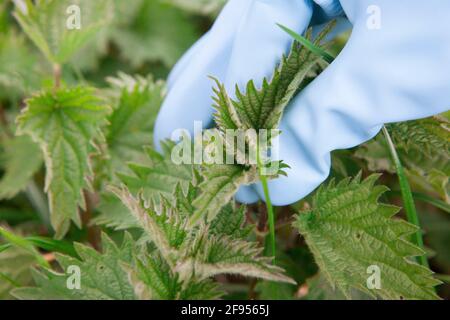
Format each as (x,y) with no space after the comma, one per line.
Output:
(181,229)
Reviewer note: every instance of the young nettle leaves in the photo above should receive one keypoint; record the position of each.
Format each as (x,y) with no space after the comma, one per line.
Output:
(220,183)
(263,108)
(64,122)
(196,252)
(59,28)
(188,228)
(165,230)
(350,232)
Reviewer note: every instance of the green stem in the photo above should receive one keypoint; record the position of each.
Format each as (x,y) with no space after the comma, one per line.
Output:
(270,213)
(408,200)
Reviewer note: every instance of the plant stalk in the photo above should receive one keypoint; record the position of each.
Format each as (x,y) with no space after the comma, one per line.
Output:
(270,212)
(57,75)
(408,200)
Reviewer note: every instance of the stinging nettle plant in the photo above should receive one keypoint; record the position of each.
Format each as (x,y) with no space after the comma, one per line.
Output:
(181,233)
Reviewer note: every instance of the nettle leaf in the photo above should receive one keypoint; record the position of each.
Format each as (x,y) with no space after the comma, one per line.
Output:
(425,146)
(152,279)
(102,276)
(256,109)
(210,255)
(231,222)
(220,184)
(52,24)
(348,231)
(428,134)
(193,250)
(184,199)
(201,290)
(64,123)
(263,108)
(427,165)
(165,230)
(153,180)
(158,176)
(23,159)
(428,171)
(134,113)
(114,214)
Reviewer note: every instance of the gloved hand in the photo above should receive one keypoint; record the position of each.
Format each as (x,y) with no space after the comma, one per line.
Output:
(395,67)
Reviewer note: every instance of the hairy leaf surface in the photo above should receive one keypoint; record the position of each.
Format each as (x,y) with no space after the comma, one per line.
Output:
(102,276)
(348,231)
(212,255)
(64,122)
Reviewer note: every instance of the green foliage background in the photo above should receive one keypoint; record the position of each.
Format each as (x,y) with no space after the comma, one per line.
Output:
(80,182)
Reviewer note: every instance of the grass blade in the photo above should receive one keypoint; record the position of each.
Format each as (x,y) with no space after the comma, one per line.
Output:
(308,44)
(23,244)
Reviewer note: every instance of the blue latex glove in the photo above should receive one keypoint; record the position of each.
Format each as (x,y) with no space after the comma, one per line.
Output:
(400,71)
